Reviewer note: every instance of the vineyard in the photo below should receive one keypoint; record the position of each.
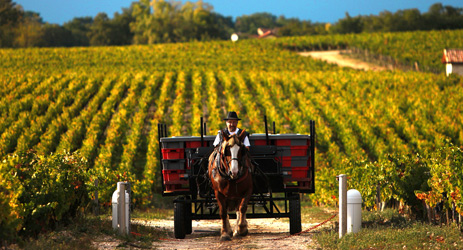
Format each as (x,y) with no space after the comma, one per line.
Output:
(423,48)
(100,107)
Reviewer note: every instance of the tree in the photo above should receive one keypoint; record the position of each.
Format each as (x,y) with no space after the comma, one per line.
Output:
(161,21)
(55,35)
(250,24)
(452,17)
(100,31)
(198,22)
(349,25)
(79,27)
(412,19)
(140,13)
(121,26)
(443,17)
(10,15)
(29,31)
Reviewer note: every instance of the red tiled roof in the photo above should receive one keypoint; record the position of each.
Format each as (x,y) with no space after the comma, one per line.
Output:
(266,34)
(452,56)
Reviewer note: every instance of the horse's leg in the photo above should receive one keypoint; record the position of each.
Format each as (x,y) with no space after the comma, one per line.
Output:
(241,228)
(226,232)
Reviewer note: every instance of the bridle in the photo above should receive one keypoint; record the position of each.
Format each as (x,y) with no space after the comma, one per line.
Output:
(223,163)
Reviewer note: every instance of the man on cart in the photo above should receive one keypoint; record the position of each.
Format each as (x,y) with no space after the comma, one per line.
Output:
(232,128)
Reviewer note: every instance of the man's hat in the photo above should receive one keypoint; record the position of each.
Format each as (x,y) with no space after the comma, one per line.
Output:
(231,116)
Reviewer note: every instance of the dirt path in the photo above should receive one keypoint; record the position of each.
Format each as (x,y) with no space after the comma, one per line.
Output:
(206,235)
(335,56)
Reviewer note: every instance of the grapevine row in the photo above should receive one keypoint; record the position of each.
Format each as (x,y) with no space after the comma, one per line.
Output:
(72,139)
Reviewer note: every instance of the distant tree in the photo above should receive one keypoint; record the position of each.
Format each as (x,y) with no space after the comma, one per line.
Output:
(223,26)
(296,27)
(10,16)
(106,31)
(437,17)
(100,31)
(436,9)
(161,21)
(250,23)
(140,26)
(389,20)
(290,27)
(197,21)
(122,34)
(348,25)
(370,23)
(190,22)
(54,35)
(452,17)
(29,32)
(79,27)
(10,13)
(412,19)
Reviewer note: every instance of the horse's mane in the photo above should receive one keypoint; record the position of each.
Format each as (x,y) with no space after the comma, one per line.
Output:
(234,140)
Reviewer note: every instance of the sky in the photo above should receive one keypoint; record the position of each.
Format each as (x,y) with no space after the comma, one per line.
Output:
(61,11)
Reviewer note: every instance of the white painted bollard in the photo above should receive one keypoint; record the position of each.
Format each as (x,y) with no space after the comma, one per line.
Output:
(120,208)
(342,204)
(354,211)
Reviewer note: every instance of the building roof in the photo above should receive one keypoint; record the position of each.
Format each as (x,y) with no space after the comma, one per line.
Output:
(267,35)
(452,56)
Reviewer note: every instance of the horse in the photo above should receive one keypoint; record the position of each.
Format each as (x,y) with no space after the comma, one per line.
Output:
(230,173)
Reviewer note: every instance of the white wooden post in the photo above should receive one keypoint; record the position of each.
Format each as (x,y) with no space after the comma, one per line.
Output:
(342,204)
(122,214)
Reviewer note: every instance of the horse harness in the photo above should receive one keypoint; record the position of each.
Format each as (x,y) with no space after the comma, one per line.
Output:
(220,166)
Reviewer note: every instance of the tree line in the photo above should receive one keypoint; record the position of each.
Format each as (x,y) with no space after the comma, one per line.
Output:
(161,21)
(438,17)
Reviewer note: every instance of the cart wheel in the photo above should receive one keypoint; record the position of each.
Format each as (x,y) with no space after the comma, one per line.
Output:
(188,220)
(295,215)
(179,219)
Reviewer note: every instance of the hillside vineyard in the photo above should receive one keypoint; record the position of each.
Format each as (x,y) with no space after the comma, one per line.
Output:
(106,103)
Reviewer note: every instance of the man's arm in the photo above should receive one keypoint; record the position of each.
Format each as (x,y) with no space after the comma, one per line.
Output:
(217,139)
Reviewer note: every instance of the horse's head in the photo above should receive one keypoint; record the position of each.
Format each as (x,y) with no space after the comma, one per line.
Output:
(233,151)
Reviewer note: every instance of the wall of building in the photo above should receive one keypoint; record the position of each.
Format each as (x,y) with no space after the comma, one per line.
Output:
(458,69)
(454,68)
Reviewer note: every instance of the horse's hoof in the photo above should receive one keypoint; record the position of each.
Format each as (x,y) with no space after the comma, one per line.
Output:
(237,234)
(225,238)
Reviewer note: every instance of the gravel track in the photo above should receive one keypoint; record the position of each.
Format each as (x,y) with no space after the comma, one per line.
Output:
(262,235)
(336,57)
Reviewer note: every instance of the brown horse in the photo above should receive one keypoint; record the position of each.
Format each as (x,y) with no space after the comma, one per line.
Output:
(230,171)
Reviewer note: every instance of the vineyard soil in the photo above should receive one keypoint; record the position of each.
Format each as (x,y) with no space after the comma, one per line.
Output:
(206,235)
(336,57)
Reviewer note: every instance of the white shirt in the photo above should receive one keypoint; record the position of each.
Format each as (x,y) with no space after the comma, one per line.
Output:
(217,138)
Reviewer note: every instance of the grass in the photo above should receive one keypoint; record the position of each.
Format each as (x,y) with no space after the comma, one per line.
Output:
(390,230)
(311,214)
(83,232)
(153,213)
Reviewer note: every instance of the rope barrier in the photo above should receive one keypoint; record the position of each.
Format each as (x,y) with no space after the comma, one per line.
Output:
(305,231)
